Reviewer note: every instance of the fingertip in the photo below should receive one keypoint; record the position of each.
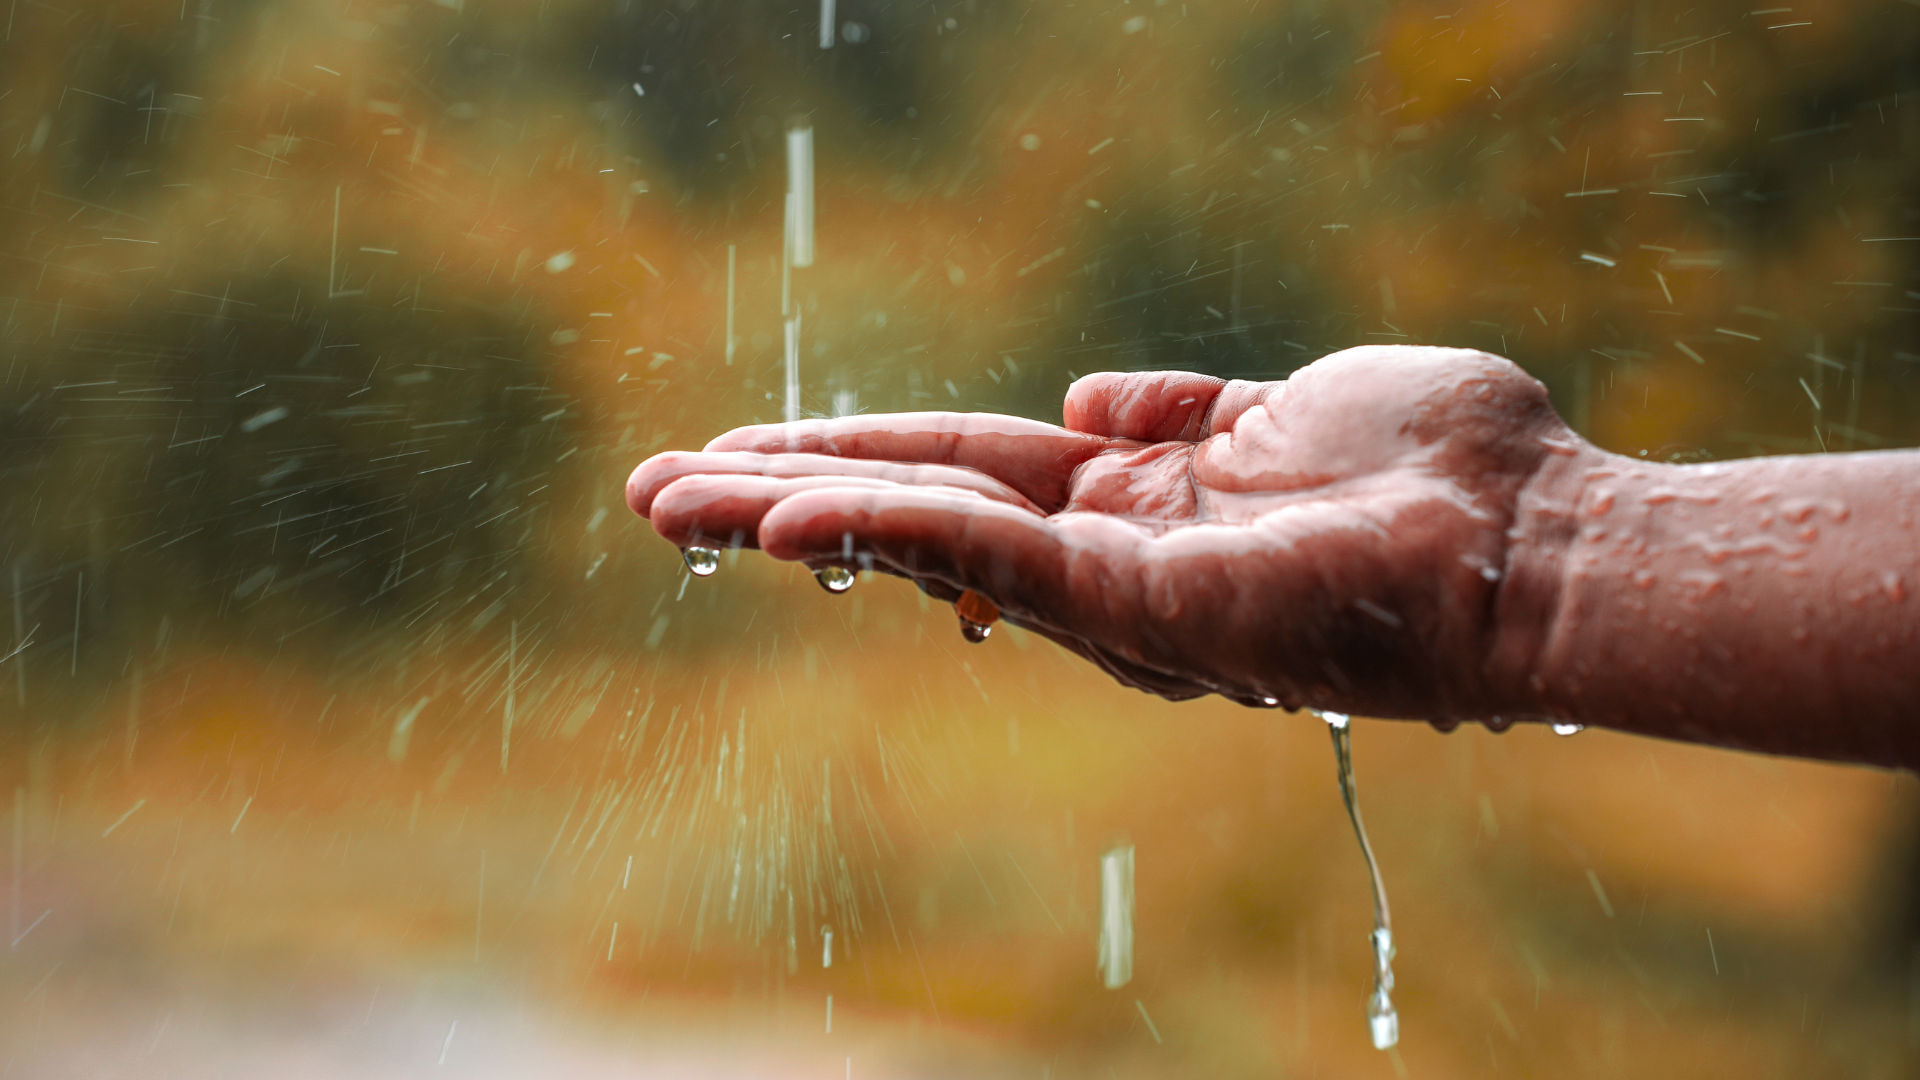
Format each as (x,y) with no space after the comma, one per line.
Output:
(1078,411)
(647,478)
(673,507)
(1234,400)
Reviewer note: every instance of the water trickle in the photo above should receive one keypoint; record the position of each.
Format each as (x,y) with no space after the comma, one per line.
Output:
(1568,729)
(834,579)
(977,615)
(701,561)
(1383,1021)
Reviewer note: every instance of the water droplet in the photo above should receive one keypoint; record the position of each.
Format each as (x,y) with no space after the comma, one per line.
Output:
(701,561)
(1568,729)
(1382,1020)
(1270,702)
(834,579)
(977,615)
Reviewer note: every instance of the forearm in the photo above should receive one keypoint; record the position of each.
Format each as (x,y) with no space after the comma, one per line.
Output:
(1765,604)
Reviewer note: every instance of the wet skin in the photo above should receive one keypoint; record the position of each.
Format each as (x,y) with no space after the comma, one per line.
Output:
(1393,531)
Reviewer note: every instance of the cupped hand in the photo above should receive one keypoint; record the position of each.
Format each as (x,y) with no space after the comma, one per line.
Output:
(1340,539)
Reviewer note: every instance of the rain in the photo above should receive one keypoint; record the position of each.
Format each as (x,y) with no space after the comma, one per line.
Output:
(351,724)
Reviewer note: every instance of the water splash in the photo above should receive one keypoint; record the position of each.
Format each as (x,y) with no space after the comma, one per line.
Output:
(701,561)
(834,579)
(1383,1021)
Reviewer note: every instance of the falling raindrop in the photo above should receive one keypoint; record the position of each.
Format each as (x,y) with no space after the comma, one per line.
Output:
(701,561)
(1568,729)
(1116,916)
(834,579)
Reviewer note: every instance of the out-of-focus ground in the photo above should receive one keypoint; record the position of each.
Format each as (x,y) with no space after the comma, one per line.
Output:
(349,726)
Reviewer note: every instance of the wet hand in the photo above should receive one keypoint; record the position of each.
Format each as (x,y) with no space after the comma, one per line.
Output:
(1339,539)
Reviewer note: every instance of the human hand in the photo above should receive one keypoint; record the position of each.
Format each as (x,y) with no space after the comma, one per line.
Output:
(1340,539)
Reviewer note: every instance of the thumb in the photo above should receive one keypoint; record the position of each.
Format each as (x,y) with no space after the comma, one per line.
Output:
(1160,406)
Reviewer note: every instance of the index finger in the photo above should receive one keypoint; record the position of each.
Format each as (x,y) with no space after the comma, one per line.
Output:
(1033,458)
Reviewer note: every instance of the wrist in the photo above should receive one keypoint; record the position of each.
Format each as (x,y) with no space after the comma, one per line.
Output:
(1537,577)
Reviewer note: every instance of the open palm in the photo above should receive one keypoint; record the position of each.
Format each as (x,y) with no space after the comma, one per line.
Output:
(1338,539)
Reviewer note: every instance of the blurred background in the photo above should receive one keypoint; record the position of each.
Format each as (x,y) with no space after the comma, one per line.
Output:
(351,726)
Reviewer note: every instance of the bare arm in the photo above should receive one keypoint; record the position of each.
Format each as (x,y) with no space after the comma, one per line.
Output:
(1763,604)
(1393,531)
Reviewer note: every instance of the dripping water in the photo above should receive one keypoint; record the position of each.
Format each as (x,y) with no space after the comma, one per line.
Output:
(701,561)
(1382,1019)
(977,615)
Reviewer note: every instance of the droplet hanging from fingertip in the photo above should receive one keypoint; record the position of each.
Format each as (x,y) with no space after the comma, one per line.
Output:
(834,579)
(977,615)
(701,561)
